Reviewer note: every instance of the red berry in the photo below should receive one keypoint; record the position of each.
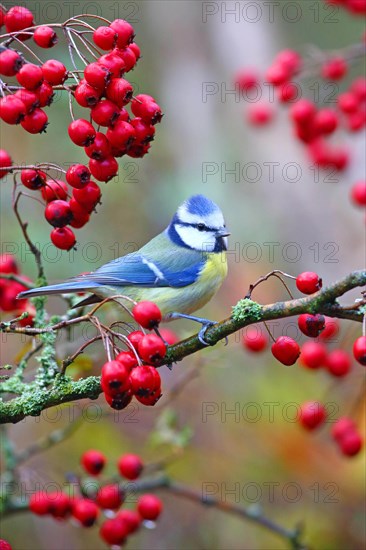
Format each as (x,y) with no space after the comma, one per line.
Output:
(130,466)
(288,92)
(33,179)
(78,176)
(308,282)
(9,295)
(277,74)
(119,401)
(246,79)
(60,505)
(358,193)
(149,507)
(85,511)
(260,114)
(351,443)
(110,497)
(145,380)
(89,196)
(5,161)
(17,19)
(45,94)
(124,30)
(86,95)
(105,113)
(58,213)
(114,531)
(348,102)
(119,91)
(359,350)
(334,69)
(340,158)
(326,121)
(127,358)
(147,314)
(10,62)
(151,349)
(30,76)
(115,378)
(302,111)
(128,57)
(100,148)
(63,238)
(8,264)
(356,121)
(138,151)
(135,337)
(254,339)
(93,462)
(359,88)
(54,72)
(114,63)
(331,329)
(338,362)
(150,399)
(81,132)
(97,75)
(168,335)
(54,190)
(45,37)
(12,109)
(312,414)
(146,109)
(5,545)
(311,325)
(105,38)
(136,50)
(144,132)
(131,518)
(29,98)
(80,216)
(286,350)
(39,503)
(341,427)
(289,59)
(122,135)
(105,169)
(313,355)
(36,122)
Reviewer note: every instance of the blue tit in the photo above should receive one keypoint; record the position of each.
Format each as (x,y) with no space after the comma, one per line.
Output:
(180,269)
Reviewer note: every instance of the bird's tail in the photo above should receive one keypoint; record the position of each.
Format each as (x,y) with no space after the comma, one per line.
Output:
(68,287)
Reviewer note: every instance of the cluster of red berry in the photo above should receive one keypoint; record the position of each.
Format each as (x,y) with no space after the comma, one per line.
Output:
(133,372)
(313,125)
(313,355)
(9,290)
(103,90)
(86,509)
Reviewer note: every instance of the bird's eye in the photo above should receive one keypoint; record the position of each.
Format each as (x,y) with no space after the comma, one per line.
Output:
(201,227)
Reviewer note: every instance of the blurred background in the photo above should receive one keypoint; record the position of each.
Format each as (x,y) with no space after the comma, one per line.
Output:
(190,54)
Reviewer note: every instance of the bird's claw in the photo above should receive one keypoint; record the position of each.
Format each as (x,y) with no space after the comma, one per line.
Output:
(202,332)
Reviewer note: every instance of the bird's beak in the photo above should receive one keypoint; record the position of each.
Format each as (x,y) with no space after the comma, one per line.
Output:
(223,232)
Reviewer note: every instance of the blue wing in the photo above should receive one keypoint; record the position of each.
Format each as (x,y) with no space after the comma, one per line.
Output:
(138,269)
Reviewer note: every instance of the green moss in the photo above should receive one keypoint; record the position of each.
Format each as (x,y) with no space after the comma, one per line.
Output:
(247,310)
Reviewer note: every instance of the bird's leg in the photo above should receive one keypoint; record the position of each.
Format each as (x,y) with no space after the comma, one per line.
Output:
(206,323)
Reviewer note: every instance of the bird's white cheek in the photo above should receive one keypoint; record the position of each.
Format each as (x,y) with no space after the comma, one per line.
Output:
(198,240)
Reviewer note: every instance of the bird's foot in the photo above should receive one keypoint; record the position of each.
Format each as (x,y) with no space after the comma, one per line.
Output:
(206,323)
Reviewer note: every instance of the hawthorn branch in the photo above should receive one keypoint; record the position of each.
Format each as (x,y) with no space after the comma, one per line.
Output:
(246,312)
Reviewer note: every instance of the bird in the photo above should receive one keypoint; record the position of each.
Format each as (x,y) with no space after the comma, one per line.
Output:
(180,269)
